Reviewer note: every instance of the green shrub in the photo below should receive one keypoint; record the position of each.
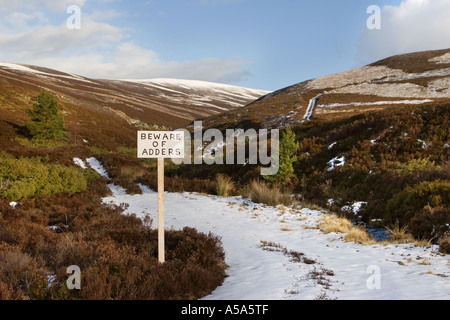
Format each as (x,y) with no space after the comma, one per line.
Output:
(418,165)
(30,177)
(424,207)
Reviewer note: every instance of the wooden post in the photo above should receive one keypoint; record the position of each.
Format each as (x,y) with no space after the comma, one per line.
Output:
(157,144)
(161,246)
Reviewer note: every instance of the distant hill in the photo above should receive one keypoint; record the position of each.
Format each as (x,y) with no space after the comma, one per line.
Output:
(106,113)
(164,102)
(376,138)
(421,78)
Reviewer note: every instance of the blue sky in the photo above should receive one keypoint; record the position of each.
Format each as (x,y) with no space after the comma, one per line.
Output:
(263,44)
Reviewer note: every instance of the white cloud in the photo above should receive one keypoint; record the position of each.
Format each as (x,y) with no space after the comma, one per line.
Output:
(21,19)
(56,41)
(414,25)
(53,5)
(101,50)
(129,61)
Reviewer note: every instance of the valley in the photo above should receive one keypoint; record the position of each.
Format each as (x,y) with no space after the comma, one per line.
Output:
(370,146)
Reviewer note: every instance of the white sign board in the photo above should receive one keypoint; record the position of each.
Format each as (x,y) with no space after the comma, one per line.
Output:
(160,144)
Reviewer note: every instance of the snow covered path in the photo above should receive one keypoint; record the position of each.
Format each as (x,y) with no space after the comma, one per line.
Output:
(405,272)
(278,253)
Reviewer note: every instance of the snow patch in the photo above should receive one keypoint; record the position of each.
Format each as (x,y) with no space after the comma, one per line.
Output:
(311,107)
(392,90)
(23,68)
(356,207)
(444,59)
(351,77)
(97,166)
(336,162)
(175,85)
(201,93)
(19,67)
(424,144)
(379,81)
(377,103)
(79,163)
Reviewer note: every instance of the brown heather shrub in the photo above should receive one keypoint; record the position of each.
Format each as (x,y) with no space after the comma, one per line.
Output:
(20,273)
(179,184)
(117,254)
(444,245)
(7,292)
(193,269)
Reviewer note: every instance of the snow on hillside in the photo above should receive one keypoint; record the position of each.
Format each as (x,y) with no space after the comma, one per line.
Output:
(180,84)
(22,68)
(19,67)
(445,58)
(263,245)
(378,103)
(386,82)
(202,93)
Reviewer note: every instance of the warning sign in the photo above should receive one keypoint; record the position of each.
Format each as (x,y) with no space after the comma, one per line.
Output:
(160,144)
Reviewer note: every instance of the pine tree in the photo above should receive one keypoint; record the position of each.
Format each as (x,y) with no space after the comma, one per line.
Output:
(288,156)
(46,121)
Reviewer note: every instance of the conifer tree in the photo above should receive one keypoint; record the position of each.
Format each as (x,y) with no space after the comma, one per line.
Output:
(287,157)
(46,121)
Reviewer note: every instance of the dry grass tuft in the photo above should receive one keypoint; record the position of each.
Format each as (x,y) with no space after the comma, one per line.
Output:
(261,192)
(359,235)
(335,224)
(225,185)
(399,234)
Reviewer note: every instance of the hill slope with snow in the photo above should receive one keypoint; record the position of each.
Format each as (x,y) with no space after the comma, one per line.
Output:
(163,102)
(421,78)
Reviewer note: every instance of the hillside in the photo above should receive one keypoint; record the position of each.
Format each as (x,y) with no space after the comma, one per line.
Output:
(376,137)
(163,102)
(50,209)
(421,78)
